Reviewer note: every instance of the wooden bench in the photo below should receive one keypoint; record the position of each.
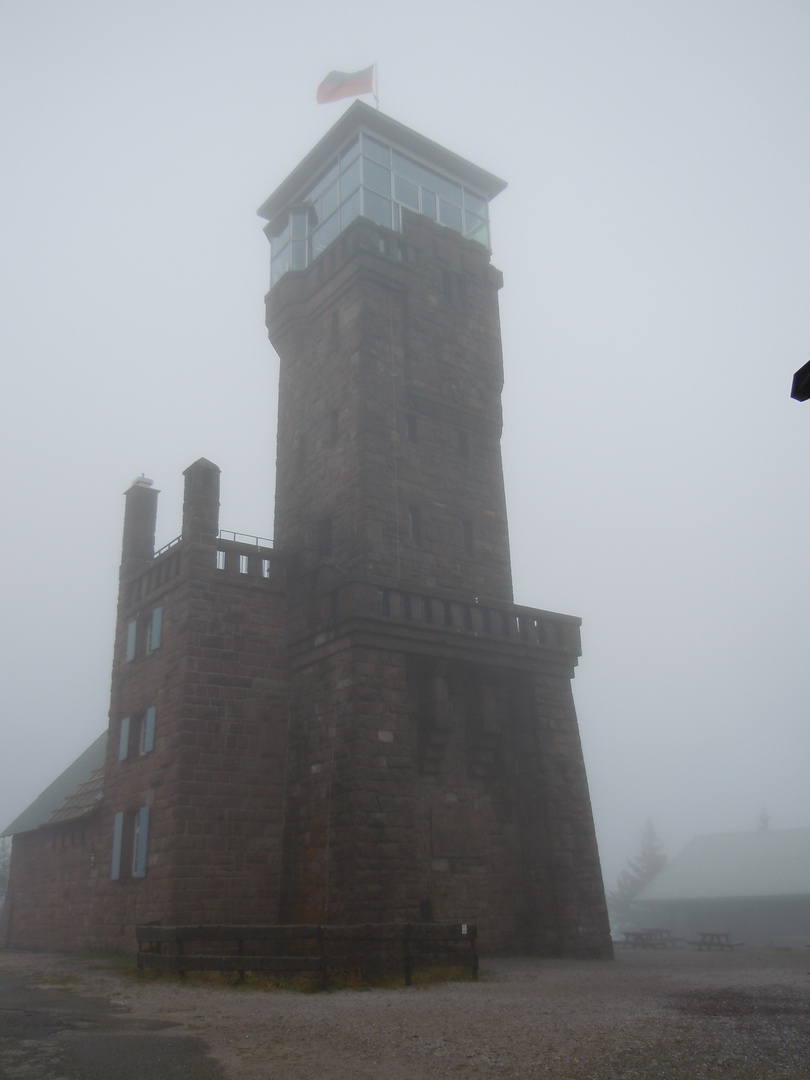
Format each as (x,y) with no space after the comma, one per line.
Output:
(710,939)
(648,939)
(307,948)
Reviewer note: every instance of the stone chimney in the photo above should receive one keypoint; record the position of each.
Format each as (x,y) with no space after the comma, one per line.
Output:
(140,516)
(201,503)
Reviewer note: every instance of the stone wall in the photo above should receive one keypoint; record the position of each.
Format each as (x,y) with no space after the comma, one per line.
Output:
(57,886)
(389,439)
(210,774)
(435,773)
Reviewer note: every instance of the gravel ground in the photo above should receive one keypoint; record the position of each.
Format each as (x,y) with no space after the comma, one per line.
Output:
(647,1014)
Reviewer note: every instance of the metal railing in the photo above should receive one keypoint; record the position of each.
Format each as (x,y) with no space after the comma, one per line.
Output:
(167,547)
(244,538)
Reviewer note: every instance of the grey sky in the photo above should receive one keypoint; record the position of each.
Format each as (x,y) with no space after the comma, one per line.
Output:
(655,242)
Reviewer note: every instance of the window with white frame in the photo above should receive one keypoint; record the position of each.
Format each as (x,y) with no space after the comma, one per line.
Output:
(130,844)
(371,178)
(136,734)
(154,630)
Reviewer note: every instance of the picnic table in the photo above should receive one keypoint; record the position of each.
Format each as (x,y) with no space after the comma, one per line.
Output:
(651,938)
(711,939)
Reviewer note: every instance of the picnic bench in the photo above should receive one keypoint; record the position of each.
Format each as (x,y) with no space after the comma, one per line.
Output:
(307,948)
(651,938)
(711,939)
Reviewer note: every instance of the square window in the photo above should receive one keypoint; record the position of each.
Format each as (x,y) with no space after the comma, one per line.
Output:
(140,842)
(406,193)
(123,739)
(376,177)
(450,215)
(147,744)
(118,843)
(350,153)
(447,190)
(280,265)
(324,235)
(154,633)
(475,203)
(350,209)
(130,844)
(476,228)
(350,180)
(298,254)
(376,150)
(377,208)
(299,224)
(329,202)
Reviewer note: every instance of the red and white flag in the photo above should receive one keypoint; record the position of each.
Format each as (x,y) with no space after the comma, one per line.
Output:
(341,84)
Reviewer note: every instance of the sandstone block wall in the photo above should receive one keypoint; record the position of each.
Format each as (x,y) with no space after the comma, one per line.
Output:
(389,440)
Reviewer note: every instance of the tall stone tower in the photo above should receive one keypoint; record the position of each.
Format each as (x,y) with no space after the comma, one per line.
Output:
(355,723)
(434,766)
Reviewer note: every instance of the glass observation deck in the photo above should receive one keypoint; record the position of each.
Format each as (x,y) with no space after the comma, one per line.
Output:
(372,174)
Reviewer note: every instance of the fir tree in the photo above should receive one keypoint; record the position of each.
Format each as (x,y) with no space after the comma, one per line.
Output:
(639,872)
(5,858)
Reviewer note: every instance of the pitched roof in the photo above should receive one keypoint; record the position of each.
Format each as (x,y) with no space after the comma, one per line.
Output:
(751,864)
(72,795)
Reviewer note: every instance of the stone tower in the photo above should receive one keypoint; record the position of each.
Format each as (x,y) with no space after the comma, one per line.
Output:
(354,723)
(434,764)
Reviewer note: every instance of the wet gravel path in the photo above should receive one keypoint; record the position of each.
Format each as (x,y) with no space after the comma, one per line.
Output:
(648,1014)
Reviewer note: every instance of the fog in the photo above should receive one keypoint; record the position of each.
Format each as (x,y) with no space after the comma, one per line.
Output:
(655,244)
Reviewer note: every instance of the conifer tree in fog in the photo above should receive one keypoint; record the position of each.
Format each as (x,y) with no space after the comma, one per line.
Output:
(5,858)
(640,871)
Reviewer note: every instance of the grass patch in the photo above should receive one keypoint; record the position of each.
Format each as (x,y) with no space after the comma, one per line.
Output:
(308,982)
(64,984)
(120,962)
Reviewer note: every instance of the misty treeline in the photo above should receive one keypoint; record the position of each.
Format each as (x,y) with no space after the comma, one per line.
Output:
(5,859)
(649,861)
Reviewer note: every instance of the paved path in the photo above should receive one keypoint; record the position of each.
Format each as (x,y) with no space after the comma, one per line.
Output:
(58,1034)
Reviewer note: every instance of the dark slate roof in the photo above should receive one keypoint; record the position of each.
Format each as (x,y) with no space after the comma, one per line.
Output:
(72,795)
(801,383)
(736,865)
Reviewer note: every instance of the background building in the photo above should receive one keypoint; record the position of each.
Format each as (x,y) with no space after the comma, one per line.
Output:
(753,885)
